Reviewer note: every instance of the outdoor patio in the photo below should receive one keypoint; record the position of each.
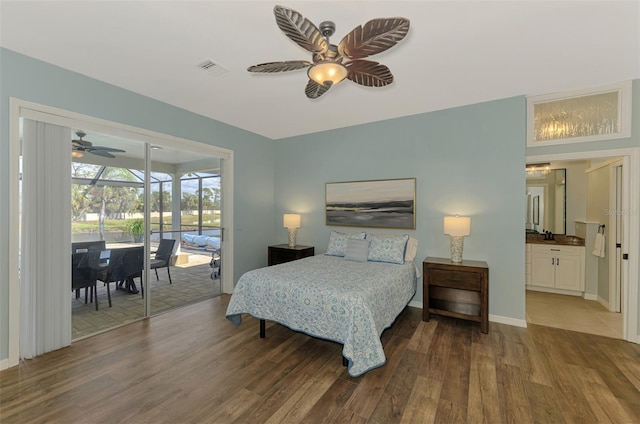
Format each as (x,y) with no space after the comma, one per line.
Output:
(191,283)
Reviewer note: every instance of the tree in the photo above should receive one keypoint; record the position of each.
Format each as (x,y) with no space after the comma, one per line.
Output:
(108,200)
(80,201)
(81,198)
(207,194)
(189,203)
(216,198)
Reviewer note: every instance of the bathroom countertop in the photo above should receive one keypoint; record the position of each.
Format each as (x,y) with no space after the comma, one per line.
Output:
(559,239)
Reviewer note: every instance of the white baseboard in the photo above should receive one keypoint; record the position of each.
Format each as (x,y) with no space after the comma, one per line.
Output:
(554,290)
(508,320)
(603,302)
(588,296)
(4,364)
(415,304)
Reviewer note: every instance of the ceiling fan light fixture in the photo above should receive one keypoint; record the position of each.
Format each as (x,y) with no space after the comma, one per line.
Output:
(327,71)
(375,36)
(76,154)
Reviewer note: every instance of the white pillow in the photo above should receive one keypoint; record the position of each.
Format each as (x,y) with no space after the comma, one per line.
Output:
(412,249)
(357,250)
(338,242)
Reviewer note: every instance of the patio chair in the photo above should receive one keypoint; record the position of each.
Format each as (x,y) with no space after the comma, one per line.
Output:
(215,264)
(83,274)
(86,246)
(124,265)
(162,258)
(132,266)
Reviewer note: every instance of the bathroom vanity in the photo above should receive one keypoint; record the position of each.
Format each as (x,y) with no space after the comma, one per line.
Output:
(556,265)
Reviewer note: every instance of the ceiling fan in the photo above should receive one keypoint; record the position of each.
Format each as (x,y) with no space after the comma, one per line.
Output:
(79,146)
(327,67)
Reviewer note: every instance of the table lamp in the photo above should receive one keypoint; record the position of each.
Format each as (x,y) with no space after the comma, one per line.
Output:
(457,227)
(291,221)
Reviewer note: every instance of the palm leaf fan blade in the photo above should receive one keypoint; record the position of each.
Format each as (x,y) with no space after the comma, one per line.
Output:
(301,30)
(271,67)
(83,143)
(313,90)
(376,36)
(105,149)
(369,73)
(103,153)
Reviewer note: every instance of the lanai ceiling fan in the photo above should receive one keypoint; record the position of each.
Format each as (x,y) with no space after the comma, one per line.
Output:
(327,67)
(79,146)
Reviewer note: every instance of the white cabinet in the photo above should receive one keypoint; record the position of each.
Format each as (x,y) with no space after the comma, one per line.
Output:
(557,267)
(569,272)
(543,267)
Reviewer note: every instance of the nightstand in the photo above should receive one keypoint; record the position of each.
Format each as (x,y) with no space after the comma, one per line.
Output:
(281,253)
(459,290)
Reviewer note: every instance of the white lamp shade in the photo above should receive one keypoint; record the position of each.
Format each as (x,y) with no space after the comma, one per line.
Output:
(291,220)
(457,225)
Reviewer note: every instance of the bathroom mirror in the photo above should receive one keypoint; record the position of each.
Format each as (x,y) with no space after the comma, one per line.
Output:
(546,200)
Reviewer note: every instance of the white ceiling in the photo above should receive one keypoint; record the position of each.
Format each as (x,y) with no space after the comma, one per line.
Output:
(456,53)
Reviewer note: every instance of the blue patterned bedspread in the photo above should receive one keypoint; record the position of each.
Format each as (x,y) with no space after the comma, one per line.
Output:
(331,298)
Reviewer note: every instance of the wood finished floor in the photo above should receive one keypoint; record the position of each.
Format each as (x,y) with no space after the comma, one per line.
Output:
(192,366)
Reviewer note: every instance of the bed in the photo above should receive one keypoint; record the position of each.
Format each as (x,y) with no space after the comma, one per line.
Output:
(330,297)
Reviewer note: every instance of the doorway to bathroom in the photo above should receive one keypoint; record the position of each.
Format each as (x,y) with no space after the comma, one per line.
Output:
(596,185)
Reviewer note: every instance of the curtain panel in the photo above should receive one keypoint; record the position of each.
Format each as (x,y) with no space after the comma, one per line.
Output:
(45,253)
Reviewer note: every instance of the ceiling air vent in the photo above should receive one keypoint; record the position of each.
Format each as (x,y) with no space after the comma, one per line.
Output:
(212,68)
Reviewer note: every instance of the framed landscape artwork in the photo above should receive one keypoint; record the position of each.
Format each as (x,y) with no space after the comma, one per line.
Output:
(374,203)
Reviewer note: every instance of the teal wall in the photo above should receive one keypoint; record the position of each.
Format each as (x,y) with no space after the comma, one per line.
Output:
(467,160)
(35,81)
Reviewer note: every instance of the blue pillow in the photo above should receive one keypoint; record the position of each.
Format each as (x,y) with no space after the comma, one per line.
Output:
(387,249)
(357,250)
(338,242)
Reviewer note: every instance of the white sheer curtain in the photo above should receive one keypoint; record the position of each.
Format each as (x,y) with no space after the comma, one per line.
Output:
(45,276)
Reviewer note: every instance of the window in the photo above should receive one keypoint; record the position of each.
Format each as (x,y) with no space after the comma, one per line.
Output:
(580,116)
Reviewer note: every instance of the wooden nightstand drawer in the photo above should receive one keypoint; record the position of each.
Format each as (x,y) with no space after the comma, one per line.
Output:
(455,279)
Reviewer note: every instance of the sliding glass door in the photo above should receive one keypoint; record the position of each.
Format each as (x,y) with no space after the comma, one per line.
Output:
(112,212)
(67,189)
(107,232)
(185,228)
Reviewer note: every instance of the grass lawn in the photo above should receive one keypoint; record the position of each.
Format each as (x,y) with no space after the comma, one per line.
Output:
(188,222)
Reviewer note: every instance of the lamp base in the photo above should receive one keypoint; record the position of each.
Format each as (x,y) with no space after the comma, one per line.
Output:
(292,237)
(456,248)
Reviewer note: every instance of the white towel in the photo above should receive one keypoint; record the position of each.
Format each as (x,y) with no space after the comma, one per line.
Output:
(598,245)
